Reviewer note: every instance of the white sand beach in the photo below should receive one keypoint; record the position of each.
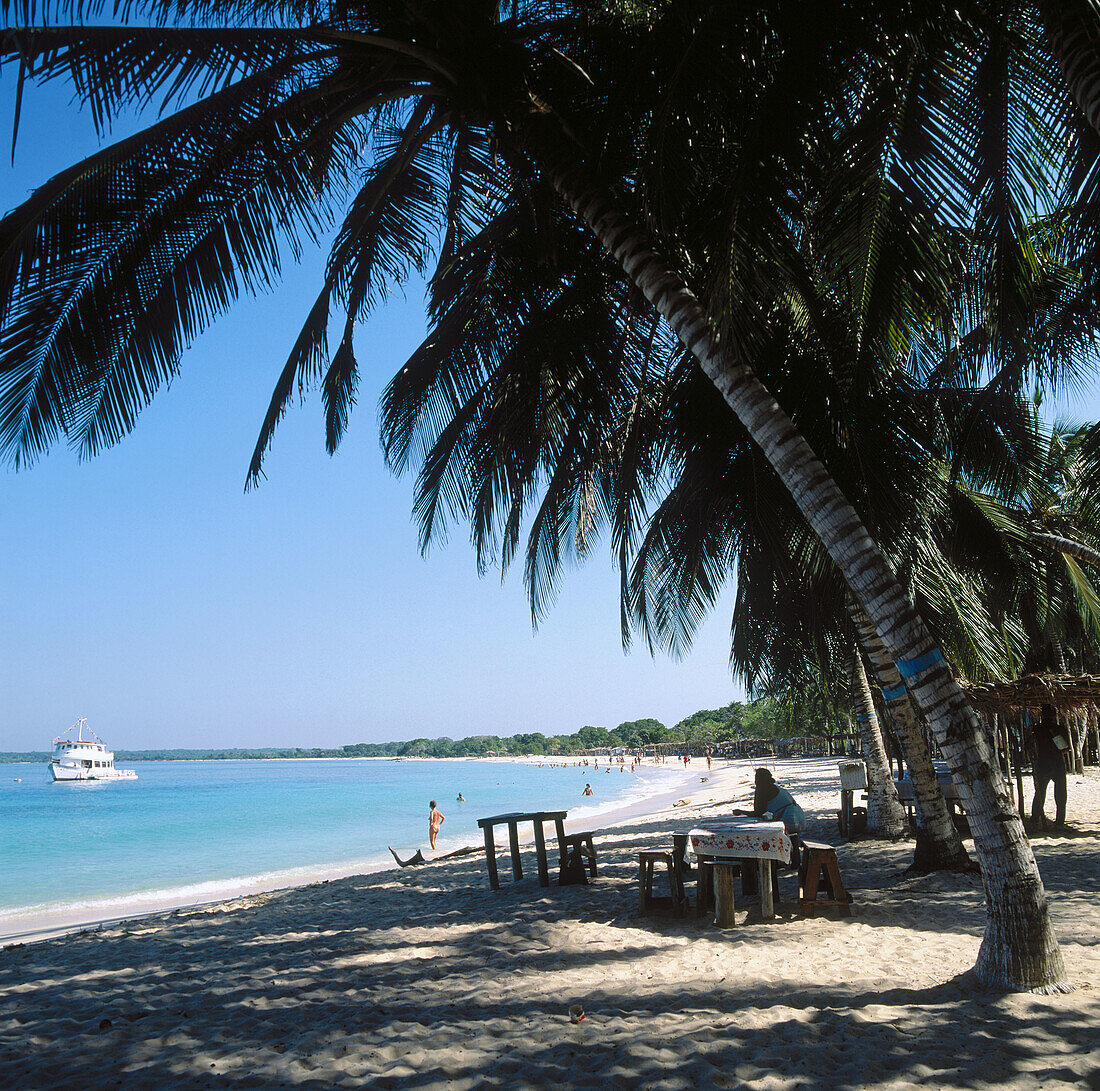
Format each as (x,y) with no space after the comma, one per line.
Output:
(426,978)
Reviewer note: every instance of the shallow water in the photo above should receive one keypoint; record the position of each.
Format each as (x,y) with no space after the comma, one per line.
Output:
(189,830)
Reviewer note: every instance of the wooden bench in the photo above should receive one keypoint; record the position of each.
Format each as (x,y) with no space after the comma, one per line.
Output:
(579,857)
(646,899)
(512,820)
(819,862)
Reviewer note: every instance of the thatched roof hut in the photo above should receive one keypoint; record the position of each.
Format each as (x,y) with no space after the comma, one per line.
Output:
(1066,692)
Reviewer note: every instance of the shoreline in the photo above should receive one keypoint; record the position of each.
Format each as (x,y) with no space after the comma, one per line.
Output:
(35,927)
(425,978)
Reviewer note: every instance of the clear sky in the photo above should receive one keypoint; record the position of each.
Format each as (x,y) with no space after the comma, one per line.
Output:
(145,590)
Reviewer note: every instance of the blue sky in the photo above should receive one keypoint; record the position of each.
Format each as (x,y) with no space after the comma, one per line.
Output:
(145,590)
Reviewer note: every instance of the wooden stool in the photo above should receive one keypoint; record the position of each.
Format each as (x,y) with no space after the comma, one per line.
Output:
(819,863)
(580,854)
(646,900)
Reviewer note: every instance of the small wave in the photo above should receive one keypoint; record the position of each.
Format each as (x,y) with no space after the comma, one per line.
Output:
(194,893)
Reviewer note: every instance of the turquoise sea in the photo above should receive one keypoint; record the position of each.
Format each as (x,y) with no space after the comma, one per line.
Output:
(189,831)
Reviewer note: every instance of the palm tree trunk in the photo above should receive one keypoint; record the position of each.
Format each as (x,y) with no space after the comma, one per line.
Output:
(1019,949)
(939,847)
(1074,35)
(885,815)
(1069,547)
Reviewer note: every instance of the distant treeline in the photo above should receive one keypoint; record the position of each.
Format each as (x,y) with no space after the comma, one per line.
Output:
(764,718)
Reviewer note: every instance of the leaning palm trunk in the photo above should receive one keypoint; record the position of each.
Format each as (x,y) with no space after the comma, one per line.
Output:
(1070,548)
(1019,949)
(1074,33)
(885,815)
(939,847)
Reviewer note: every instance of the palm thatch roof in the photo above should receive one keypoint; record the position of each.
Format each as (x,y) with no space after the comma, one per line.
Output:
(1063,691)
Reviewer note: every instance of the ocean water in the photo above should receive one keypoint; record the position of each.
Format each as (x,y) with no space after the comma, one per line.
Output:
(194,830)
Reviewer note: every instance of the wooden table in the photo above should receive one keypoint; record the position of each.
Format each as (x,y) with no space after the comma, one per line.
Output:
(512,820)
(740,840)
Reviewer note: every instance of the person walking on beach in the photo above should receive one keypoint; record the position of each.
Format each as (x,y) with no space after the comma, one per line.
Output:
(435,820)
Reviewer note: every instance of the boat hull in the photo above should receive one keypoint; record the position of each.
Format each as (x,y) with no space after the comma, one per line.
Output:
(68,774)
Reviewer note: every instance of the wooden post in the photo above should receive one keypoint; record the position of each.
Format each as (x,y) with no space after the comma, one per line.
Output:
(559,829)
(704,883)
(724,906)
(1078,741)
(513,845)
(491,857)
(540,853)
(679,853)
(1020,768)
(1006,749)
(643,901)
(767,905)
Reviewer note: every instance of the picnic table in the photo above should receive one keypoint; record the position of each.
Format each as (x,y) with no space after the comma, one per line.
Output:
(740,840)
(513,820)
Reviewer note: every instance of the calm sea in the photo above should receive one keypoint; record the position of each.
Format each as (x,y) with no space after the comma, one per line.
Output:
(194,830)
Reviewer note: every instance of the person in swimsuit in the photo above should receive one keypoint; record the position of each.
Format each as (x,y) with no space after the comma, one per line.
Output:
(587,790)
(435,820)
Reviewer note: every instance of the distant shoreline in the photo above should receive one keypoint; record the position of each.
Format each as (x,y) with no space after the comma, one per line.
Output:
(123,756)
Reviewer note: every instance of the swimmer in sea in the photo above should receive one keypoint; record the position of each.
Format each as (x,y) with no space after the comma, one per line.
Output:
(461,798)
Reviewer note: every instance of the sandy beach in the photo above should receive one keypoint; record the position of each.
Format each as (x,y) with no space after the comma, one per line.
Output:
(426,978)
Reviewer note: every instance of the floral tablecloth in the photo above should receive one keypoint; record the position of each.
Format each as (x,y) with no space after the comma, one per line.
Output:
(743,840)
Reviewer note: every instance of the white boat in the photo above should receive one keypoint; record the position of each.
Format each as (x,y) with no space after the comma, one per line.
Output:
(78,758)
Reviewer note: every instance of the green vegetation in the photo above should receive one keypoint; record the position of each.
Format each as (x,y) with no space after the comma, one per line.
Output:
(765,718)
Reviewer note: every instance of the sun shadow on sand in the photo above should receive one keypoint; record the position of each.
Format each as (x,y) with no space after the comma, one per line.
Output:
(424,978)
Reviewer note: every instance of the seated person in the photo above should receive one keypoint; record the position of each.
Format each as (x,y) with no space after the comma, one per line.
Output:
(777,802)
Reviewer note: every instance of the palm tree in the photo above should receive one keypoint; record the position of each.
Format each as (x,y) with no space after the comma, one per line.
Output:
(885,814)
(113,266)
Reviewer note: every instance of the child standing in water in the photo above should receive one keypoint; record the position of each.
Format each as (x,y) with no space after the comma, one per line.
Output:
(435,820)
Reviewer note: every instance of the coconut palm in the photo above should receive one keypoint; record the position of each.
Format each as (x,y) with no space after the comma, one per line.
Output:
(885,814)
(112,267)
